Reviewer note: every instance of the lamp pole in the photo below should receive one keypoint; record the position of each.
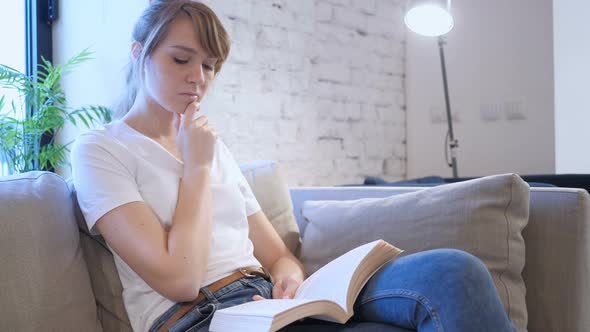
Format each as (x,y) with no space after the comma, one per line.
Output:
(453,143)
(433,18)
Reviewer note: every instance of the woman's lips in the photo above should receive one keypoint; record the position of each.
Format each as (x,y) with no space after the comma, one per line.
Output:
(190,96)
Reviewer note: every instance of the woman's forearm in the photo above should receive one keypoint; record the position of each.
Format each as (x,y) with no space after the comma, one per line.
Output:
(189,238)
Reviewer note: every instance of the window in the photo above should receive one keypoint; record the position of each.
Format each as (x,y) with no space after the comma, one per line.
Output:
(25,28)
(12,27)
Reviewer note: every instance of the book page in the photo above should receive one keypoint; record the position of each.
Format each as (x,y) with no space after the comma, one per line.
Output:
(264,308)
(331,282)
(271,315)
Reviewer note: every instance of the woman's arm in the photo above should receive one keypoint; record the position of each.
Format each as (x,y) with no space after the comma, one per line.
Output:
(173,263)
(286,270)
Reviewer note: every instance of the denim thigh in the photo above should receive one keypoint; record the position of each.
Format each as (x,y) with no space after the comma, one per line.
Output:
(434,290)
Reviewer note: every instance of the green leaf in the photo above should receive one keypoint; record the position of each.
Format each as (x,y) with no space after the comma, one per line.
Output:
(44,104)
(81,116)
(72,119)
(11,78)
(93,114)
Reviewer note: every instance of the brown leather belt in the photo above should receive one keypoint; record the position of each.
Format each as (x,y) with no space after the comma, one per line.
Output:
(248,271)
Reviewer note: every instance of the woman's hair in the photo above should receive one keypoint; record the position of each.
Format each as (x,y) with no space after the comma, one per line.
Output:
(152,27)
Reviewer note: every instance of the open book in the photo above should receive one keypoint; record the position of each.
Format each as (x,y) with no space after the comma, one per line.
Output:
(328,294)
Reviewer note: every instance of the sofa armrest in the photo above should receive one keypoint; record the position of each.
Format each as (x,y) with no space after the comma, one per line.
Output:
(557,268)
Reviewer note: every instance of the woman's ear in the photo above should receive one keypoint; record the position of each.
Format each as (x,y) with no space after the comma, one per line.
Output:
(136,49)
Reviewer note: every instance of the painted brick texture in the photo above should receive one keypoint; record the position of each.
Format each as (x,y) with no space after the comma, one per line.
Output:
(317,85)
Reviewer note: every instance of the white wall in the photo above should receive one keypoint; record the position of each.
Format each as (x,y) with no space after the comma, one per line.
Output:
(500,74)
(315,84)
(572,74)
(104,27)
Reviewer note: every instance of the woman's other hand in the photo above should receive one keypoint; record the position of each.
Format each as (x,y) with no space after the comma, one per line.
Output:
(194,137)
(284,288)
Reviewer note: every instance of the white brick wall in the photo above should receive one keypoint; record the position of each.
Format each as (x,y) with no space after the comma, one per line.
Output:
(317,85)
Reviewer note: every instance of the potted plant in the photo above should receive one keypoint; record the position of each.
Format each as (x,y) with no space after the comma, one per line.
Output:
(28,131)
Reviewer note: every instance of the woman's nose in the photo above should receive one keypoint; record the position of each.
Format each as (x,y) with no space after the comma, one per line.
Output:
(197,75)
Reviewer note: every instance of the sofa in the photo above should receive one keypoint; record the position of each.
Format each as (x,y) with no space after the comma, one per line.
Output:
(57,277)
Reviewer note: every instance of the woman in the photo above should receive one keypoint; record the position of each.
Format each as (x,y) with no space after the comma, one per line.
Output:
(187,234)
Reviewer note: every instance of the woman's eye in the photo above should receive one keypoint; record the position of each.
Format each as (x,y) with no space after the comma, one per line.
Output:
(208,67)
(180,61)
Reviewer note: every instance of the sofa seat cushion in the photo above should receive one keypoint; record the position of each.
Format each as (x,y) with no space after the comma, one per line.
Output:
(44,281)
(484,217)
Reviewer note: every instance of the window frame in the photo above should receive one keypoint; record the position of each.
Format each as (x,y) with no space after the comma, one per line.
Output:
(39,16)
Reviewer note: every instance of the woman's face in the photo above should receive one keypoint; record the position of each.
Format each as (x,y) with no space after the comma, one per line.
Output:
(179,71)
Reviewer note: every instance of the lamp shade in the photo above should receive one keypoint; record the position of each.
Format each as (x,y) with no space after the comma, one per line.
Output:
(429,17)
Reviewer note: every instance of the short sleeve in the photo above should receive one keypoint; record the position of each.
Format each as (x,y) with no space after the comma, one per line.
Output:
(252,205)
(103,177)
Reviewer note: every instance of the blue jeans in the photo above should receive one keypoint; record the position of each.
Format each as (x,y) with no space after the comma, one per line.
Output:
(436,290)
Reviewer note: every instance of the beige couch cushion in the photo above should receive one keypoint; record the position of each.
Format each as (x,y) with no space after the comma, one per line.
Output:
(272,192)
(106,284)
(484,217)
(44,281)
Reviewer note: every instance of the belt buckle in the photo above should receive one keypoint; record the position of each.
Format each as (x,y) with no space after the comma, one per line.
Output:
(245,272)
(257,271)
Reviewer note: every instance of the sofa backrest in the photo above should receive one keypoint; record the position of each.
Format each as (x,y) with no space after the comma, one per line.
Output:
(44,281)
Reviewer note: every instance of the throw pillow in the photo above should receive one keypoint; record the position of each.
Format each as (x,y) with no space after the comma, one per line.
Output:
(484,217)
(272,192)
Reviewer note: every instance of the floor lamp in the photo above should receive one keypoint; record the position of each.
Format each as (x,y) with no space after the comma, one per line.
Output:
(433,18)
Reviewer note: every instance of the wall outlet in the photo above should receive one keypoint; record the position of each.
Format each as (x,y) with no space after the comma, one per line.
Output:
(438,114)
(514,109)
(489,112)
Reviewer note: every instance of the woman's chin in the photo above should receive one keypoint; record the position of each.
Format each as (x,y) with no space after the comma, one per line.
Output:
(178,109)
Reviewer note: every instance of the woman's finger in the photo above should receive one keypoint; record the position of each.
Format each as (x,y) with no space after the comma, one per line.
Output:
(290,288)
(258,298)
(201,120)
(289,292)
(190,110)
(277,291)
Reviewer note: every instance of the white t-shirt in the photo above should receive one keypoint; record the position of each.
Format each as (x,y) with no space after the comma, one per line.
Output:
(116,165)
